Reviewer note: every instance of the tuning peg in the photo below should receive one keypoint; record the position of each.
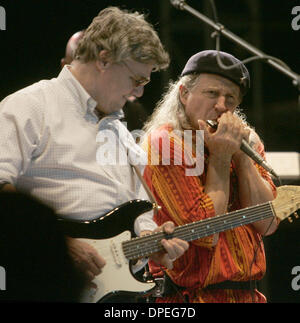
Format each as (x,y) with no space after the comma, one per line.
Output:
(290,219)
(296,215)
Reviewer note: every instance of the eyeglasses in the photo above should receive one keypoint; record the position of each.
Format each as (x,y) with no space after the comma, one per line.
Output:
(137,80)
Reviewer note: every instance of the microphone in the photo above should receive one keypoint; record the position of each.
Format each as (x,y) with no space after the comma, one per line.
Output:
(248,150)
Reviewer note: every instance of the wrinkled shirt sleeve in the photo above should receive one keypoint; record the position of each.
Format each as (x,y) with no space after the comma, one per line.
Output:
(20,127)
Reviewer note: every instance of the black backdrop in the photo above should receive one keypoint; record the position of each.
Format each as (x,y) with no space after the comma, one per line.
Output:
(38,30)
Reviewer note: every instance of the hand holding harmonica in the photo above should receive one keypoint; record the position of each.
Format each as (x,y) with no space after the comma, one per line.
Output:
(247,149)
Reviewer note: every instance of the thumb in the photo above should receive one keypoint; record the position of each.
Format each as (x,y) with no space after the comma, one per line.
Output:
(202,124)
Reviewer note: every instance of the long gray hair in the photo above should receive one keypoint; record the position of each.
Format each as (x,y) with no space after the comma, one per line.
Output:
(170,110)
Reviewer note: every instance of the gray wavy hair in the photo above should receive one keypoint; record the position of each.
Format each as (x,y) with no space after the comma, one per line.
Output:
(124,35)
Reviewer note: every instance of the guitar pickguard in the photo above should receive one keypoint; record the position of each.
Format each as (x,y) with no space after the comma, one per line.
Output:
(115,276)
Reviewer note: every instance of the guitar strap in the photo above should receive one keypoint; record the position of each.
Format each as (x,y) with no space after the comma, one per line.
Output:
(143,263)
(152,198)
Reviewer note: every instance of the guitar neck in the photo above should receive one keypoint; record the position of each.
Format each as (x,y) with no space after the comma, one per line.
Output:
(144,246)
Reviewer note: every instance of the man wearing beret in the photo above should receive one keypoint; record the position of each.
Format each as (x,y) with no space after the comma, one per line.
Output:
(225,266)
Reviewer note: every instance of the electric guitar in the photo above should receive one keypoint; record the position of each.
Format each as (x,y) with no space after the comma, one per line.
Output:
(118,249)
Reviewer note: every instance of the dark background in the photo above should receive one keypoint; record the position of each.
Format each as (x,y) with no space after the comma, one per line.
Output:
(37,32)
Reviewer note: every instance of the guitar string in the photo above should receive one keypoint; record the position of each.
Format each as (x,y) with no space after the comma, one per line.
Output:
(187,228)
(153,245)
(146,249)
(151,242)
(227,217)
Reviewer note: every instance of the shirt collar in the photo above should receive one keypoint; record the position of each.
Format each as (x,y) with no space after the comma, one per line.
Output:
(87,103)
(77,91)
(118,114)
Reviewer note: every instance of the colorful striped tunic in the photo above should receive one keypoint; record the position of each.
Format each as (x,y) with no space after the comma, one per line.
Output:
(238,254)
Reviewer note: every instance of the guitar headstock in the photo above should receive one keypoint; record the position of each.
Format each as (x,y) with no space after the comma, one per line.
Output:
(287,201)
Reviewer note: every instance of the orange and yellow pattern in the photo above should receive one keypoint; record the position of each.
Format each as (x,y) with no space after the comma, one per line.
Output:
(238,254)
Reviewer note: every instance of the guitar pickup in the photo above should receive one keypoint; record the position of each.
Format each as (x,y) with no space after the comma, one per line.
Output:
(116,254)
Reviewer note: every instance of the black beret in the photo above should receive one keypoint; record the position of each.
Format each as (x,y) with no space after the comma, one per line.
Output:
(206,62)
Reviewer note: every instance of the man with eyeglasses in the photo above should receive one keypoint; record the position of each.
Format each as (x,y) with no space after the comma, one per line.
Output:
(49,131)
(135,113)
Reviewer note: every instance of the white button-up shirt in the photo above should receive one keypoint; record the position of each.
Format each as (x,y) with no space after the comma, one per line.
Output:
(51,145)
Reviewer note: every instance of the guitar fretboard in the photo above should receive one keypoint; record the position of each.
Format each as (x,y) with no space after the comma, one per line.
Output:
(145,246)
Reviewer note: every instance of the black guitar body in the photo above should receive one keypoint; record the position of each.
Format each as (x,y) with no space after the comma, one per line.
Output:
(108,225)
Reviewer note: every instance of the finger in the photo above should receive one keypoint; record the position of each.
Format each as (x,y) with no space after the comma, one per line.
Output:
(202,124)
(92,285)
(166,261)
(167,227)
(182,244)
(175,247)
(98,261)
(89,265)
(247,134)
(169,263)
(223,122)
(95,262)
(241,131)
(90,275)
(162,259)
(170,248)
(232,125)
(205,128)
